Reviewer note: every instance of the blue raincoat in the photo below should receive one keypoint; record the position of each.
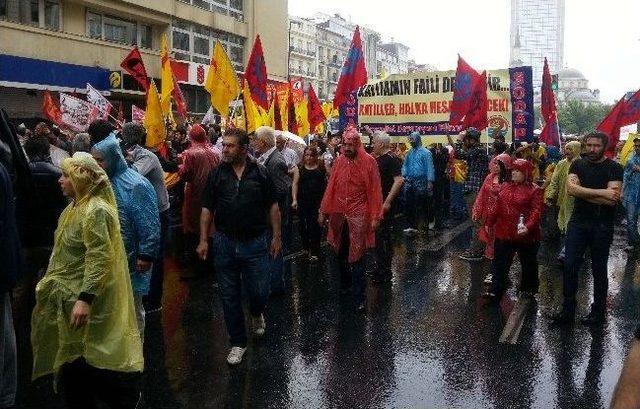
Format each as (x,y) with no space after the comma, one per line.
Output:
(418,169)
(631,190)
(137,209)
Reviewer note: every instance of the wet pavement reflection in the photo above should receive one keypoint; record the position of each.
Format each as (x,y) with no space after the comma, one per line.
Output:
(426,340)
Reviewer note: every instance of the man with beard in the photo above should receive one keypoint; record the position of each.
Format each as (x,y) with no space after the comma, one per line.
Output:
(352,204)
(240,203)
(595,183)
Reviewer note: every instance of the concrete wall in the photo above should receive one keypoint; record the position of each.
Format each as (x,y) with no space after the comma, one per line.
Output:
(271,21)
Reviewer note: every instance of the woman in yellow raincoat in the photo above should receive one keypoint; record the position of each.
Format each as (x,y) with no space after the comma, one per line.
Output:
(84,328)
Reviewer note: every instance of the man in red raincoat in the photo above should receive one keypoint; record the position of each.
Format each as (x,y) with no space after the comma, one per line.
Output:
(198,161)
(352,204)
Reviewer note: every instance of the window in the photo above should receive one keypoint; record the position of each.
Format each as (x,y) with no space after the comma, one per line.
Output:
(94,25)
(52,15)
(146,36)
(192,42)
(119,30)
(181,40)
(39,13)
(231,8)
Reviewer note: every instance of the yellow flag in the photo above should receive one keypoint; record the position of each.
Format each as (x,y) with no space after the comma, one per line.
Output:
(329,110)
(252,116)
(153,121)
(222,82)
(166,78)
(302,118)
(271,116)
(627,149)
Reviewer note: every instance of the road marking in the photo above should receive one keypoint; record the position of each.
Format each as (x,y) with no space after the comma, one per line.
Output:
(511,330)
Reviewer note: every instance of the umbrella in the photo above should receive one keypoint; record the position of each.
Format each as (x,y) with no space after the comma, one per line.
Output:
(293,137)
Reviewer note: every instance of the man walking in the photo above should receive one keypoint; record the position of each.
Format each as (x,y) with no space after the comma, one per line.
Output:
(240,203)
(595,182)
(419,174)
(477,168)
(352,204)
(390,168)
(148,165)
(631,196)
(277,169)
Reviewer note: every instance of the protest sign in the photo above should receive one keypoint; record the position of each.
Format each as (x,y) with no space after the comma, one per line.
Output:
(404,103)
(137,114)
(95,98)
(76,113)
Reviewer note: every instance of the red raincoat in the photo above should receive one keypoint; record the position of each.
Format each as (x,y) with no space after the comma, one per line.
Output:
(486,200)
(513,200)
(197,163)
(354,196)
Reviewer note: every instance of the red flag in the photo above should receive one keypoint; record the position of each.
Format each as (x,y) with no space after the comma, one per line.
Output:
(133,64)
(465,91)
(611,124)
(477,115)
(256,75)
(291,108)
(181,104)
(550,133)
(277,118)
(314,110)
(51,109)
(354,72)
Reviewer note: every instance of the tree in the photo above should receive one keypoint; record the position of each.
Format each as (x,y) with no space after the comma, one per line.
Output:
(577,118)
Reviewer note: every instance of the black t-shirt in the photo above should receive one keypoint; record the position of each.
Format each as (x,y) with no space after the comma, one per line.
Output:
(240,206)
(311,187)
(389,166)
(594,175)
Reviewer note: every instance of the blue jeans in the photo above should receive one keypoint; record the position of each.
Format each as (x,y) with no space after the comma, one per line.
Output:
(458,205)
(237,261)
(632,223)
(597,236)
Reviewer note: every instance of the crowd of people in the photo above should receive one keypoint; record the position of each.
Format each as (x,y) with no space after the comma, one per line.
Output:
(103,202)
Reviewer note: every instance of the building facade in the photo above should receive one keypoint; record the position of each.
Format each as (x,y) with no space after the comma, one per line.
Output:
(392,58)
(60,45)
(537,31)
(303,51)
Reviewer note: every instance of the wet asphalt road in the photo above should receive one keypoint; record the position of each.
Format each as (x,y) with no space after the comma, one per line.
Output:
(428,340)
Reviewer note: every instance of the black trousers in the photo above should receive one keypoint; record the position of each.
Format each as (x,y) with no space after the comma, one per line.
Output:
(503,259)
(439,203)
(597,236)
(384,248)
(85,386)
(310,230)
(351,273)
(154,298)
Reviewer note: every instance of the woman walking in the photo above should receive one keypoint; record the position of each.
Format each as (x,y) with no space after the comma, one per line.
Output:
(307,191)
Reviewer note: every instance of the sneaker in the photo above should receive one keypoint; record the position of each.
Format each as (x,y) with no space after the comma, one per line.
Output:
(488,279)
(432,226)
(470,256)
(361,307)
(410,232)
(313,259)
(258,325)
(153,309)
(235,355)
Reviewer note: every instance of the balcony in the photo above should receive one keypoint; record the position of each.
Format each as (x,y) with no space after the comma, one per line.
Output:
(303,52)
(302,73)
(334,64)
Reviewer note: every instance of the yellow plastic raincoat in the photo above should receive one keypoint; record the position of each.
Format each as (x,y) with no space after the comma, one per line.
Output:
(88,256)
(556,192)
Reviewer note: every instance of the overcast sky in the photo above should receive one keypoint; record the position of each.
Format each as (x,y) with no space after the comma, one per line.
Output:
(602,38)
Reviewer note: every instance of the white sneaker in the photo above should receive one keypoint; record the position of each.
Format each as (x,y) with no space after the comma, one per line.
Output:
(410,232)
(235,355)
(258,325)
(488,279)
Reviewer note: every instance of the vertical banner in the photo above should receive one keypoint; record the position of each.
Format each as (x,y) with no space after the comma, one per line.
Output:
(77,114)
(522,118)
(349,112)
